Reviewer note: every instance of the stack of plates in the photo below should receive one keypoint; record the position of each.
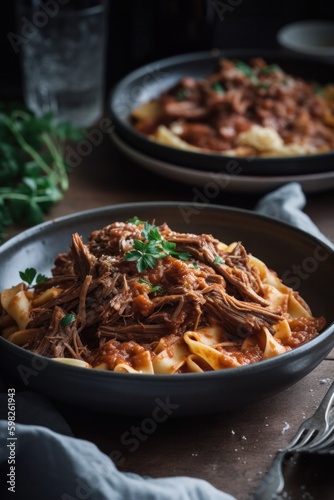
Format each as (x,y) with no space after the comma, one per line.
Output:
(313,172)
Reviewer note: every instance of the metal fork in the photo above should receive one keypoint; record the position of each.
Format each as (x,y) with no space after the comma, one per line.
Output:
(316,428)
(324,444)
(312,435)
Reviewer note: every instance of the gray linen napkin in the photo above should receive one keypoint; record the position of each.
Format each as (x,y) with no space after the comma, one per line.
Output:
(286,204)
(51,464)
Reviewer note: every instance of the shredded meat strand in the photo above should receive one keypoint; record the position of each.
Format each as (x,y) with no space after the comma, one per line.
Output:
(103,292)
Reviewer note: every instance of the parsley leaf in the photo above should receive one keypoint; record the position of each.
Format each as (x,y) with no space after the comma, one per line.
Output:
(33,171)
(67,320)
(218,260)
(40,278)
(245,69)
(152,247)
(218,87)
(157,288)
(135,220)
(181,95)
(30,274)
(270,68)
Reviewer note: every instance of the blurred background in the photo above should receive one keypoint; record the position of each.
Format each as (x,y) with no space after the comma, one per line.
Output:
(141,31)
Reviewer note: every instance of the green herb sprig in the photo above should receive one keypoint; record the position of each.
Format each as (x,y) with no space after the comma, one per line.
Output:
(218,87)
(152,247)
(181,95)
(67,320)
(33,172)
(157,288)
(245,69)
(30,274)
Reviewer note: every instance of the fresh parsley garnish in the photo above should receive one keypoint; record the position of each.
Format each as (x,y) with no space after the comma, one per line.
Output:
(30,274)
(33,171)
(157,288)
(318,90)
(67,320)
(218,260)
(145,253)
(218,88)
(135,220)
(263,85)
(245,69)
(152,247)
(270,68)
(181,95)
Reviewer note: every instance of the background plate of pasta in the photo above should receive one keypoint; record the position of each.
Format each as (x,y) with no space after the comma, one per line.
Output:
(272,111)
(206,310)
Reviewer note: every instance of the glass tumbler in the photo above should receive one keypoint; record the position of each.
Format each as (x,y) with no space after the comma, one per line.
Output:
(63,53)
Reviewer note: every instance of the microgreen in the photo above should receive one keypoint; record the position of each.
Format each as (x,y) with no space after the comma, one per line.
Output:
(30,274)
(67,320)
(245,69)
(157,288)
(318,89)
(152,247)
(135,220)
(263,85)
(33,173)
(181,95)
(270,68)
(218,88)
(218,260)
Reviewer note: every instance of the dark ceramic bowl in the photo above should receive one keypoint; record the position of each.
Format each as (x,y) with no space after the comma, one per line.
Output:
(304,261)
(149,81)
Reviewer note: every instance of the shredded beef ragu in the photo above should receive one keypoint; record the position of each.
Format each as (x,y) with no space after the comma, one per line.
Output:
(213,111)
(115,312)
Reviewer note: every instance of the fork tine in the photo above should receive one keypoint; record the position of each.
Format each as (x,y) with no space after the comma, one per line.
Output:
(302,439)
(324,443)
(315,429)
(327,439)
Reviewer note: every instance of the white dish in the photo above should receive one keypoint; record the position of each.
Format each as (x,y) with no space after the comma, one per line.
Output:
(309,37)
(225,182)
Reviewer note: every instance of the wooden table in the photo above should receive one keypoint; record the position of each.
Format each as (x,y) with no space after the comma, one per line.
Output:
(231,450)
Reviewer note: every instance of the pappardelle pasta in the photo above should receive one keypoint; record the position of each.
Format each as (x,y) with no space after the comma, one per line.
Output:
(141,298)
(250,109)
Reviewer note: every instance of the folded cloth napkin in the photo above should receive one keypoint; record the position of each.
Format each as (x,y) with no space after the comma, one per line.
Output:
(51,464)
(286,204)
